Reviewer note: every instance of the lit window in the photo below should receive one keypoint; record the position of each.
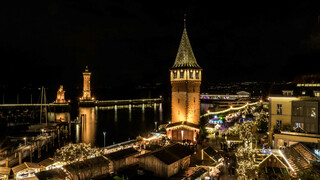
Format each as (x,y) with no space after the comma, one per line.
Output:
(175,75)
(313,112)
(197,75)
(181,74)
(316,93)
(299,125)
(191,74)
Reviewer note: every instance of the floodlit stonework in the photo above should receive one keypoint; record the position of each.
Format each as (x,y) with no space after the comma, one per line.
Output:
(185,77)
(86,85)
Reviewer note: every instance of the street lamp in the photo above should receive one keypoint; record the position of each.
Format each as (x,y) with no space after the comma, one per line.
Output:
(25,141)
(104,135)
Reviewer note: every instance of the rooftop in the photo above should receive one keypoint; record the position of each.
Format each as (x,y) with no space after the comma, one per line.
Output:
(88,163)
(46,162)
(185,57)
(122,154)
(170,154)
(5,170)
(52,174)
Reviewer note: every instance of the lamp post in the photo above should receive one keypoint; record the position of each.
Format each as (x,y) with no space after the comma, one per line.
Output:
(155,124)
(25,141)
(104,137)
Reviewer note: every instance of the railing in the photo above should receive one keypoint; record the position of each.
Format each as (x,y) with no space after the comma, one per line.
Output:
(29,105)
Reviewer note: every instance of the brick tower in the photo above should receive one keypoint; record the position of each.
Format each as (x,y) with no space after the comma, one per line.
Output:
(185,77)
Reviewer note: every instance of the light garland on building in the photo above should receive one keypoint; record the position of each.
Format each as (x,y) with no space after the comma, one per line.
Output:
(230,109)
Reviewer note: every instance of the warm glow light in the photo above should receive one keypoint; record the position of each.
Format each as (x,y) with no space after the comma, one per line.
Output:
(231,108)
(286,160)
(181,134)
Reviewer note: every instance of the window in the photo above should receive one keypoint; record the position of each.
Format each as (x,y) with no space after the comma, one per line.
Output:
(193,90)
(313,112)
(197,75)
(175,75)
(298,111)
(178,100)
(287,92)
(191,74)
(279,109)
(316,93)
(279,124)
(300,125)
(181,74)
(194,99)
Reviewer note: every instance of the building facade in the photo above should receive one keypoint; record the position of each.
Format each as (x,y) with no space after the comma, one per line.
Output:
(294,116)
(185,78)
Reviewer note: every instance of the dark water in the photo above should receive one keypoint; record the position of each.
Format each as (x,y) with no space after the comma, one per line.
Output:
(119,125)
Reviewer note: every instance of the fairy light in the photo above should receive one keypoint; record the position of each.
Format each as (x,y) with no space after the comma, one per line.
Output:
(230,109)
(286,160)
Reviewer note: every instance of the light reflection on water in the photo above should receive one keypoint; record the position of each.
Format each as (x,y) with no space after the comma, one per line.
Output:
(120,124)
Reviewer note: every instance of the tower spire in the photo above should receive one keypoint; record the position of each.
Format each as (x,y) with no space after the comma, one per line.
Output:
(185,57)
(185,21)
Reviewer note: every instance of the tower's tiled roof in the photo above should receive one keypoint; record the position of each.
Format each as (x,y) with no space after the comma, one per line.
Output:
(185,57)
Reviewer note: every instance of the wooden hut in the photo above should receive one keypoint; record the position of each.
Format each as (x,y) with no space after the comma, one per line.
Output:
(53,174)
(212,154)
(26,169)
(4,173)
(123,158)
(274,164)
(47,164)
(166,161)
(88,168)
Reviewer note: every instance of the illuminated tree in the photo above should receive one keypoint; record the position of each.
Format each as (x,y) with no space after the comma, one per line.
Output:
(76,152)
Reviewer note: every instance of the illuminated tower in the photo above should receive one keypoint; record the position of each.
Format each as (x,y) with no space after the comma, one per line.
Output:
(86,85)
(185,77)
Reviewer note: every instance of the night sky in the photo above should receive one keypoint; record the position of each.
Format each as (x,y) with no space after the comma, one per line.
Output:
(124,42)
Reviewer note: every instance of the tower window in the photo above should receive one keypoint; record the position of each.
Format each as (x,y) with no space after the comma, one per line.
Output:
(193,90)
(175,75)
(178,101)
(194,99)
(181,74)
(197,75)
(191,75)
